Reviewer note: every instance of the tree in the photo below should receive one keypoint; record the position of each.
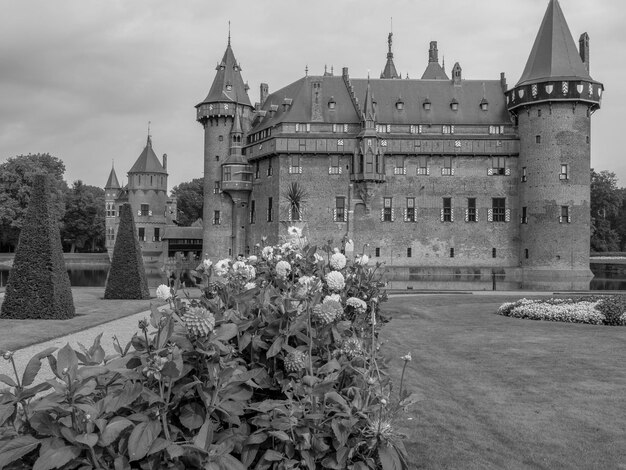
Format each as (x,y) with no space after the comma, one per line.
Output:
(606,201)
(127,276)
(39,286)
(16,182)
(189,200)
(83,223)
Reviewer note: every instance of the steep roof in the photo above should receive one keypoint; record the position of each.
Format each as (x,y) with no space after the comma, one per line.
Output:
(434,71)
(554,55)
(112,182)
(385,94)
(390,68)
(228,84)
(147,161)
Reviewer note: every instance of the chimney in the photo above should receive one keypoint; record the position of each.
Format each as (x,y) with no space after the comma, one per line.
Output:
(433,53)
(344,72)
(165,161)
(265,91)
(583,49)
(503,82)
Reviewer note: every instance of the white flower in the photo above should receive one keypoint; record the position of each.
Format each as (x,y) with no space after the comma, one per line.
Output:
(283,268)
(407,357)
(294,231)
(244,270)
(357,303)
(206,263)
(267,252)
(249,285)
(252,259)
(333,297)
(163,292)
(362,260)
(335,281)
(222,266)
(318,257)
(337,261)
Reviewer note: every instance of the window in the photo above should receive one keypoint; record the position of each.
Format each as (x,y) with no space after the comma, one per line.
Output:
(145,210)
(141,233)
(471,210)
(294,166)
(216,218)
(217,158)
(334,168)
(447,169)
(399,168)
(524,174)
(565,217)
(539,112)
(221,139)
(303,127)
(257,169)
(415,129)
(524,218)
(387,211)
(537,139)
(216,187)
(498,209)
(226,173)
(451,252)
(377,252)
(446,212)
(564,172)
(345,128)
(422,165)
(252,211)
(447,129)
(269,209)
(409,212)
(493,252)
(496,129)
(340,213)
(270,170)
(526,253)
(408,252)
(498,166)
(157,234)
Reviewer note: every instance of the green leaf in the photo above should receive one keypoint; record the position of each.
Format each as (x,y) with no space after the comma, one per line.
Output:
(32,391)
(170,370)
(113,430)
(229,462)
(67,359)
(158,445)
(91,371)
(5,412)
(275,347)
(192,415)
(282,435)
(34,365)
(226,331)
(89,439)
(121,463)
(141,439)
(204,438)
(272,456)
(174,451)
(334,396)
(389,458)
(56,457)
(16,448)
(7,380)
(129,393)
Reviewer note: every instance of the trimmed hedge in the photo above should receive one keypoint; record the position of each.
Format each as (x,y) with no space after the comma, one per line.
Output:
(127,276)
(38,285)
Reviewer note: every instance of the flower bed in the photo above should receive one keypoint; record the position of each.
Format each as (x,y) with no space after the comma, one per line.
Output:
(276,366)
(597,310)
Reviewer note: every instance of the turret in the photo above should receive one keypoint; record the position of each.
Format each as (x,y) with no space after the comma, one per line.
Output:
(224,114)
(434,71)
(390,69)
(552,103)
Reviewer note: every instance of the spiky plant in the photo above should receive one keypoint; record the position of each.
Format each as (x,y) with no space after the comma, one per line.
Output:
(296,196)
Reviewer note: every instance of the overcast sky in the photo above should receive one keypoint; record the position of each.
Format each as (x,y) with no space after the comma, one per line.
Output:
(80,79)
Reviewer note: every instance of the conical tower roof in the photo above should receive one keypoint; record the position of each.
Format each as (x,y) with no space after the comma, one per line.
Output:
(112,182)
(554,55)
(369,113)
(147,161)
(390,68)
(228,85)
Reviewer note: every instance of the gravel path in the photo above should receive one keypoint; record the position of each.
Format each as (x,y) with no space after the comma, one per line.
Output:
(123,328)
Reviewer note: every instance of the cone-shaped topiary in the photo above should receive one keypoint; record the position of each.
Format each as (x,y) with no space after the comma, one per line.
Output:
(38,285)
(127,276)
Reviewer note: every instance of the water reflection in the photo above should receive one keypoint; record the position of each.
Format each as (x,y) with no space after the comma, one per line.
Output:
(608,276)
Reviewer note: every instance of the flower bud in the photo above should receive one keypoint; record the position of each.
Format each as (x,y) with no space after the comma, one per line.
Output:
(8,355)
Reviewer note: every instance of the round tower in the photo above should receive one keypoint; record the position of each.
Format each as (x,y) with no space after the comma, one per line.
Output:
(227,97)
(552,104)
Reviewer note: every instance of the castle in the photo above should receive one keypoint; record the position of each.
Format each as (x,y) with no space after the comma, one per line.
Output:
(442,178)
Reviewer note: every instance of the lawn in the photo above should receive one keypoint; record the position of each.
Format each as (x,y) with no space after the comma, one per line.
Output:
(500,392)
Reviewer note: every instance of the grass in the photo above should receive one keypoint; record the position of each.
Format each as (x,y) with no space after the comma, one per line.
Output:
(499,392)
(91,310)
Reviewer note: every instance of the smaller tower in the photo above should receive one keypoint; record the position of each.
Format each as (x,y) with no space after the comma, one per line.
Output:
(390,69)
(112,190)
(434,71)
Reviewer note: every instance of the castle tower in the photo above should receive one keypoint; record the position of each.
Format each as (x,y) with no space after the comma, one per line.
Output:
(552,104)
(227,97)
(111,192)
(147,195)
(236,181)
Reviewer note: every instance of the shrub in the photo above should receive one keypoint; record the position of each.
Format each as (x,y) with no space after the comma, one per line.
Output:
(127,276)
(38,285)
(269,369)
(613,307)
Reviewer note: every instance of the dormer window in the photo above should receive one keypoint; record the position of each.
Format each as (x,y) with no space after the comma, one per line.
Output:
(454,105)
(331,103)
(484,104)
(399,104)
(229,87)
(426,104)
